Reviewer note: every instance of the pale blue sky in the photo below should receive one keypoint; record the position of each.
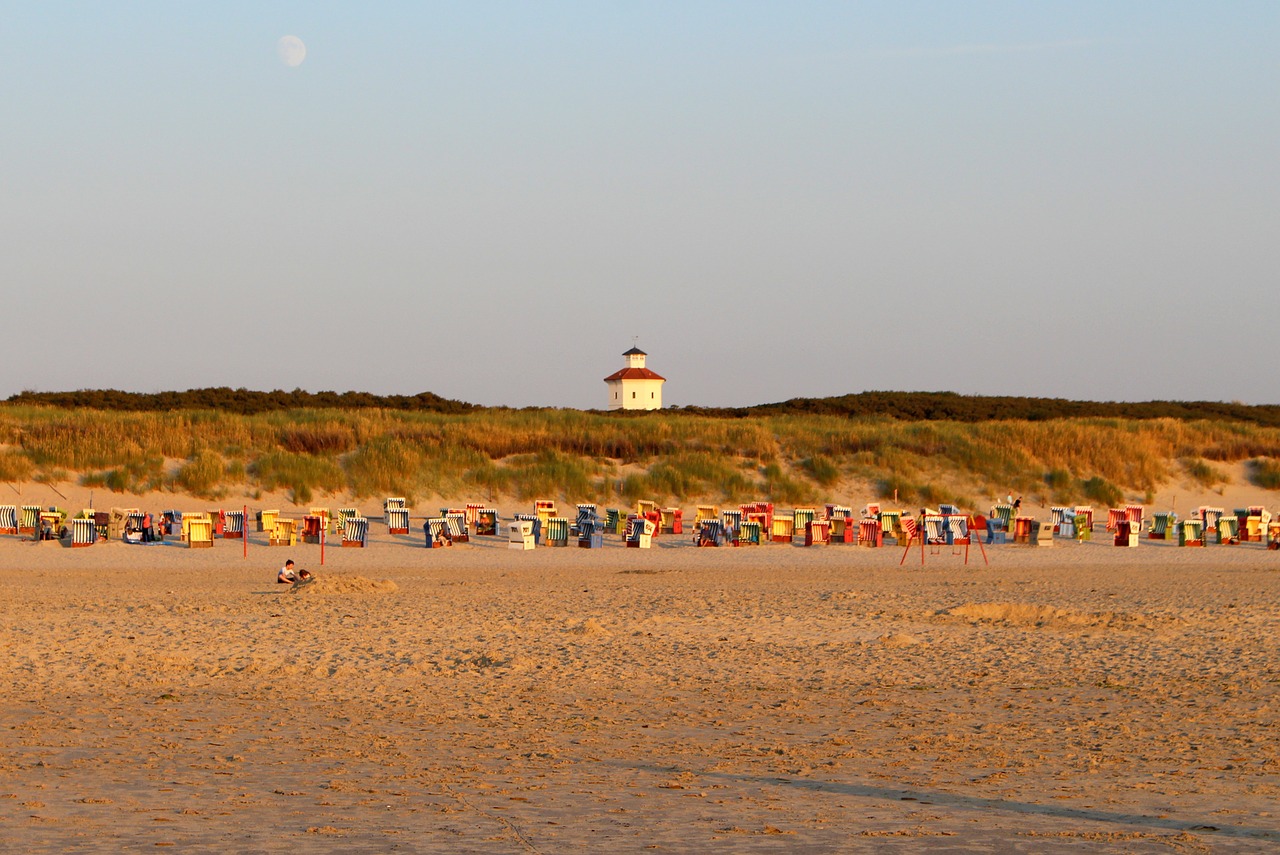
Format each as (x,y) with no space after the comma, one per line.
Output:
(489,200)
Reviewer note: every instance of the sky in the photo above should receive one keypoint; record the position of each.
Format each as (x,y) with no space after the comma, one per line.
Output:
(492,201)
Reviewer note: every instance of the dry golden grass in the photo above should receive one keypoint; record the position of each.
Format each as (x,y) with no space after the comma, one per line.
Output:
(596,456)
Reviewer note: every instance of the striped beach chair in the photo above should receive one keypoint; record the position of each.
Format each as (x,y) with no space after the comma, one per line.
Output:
(1162,524)
(1058,514)
(486,524)
(702,513)
(1087,512)
(708,533)
(324,515)
(436,530)
(283,533)
(8,519)
(869,531)
(591,533)
(267,519)
(397,520)
(537,525)
(457,521)
(187,519)
(817,532)
(391,503)
(1228,530)
(892,525)
(355,532)
(749,533)
(784,528)
(557,531)
(730,523)
(1022,529)
(199,531)
(83,532)
(587,517)
(1191,532)
(906,531)
(520,535)
(760,511)
(639,532)
(614,521)
(934,530)
(233,524)
(473,510)
(800,519)
(28,519)
(345,514)
(644,507)
(956,527)
(1210,516)
(1002,513)
(545,510)
(1115,516)
(1135,514)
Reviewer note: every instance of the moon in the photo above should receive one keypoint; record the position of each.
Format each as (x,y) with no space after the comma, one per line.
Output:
(292,51)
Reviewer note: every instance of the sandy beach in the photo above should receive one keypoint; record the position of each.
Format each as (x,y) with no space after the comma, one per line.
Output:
(478,699)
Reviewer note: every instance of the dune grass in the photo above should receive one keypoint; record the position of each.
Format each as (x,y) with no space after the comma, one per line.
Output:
(584,456)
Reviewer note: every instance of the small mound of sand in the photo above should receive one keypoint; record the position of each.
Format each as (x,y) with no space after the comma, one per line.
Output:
(590,626)
(1030,614)
(348,585)
(901,640)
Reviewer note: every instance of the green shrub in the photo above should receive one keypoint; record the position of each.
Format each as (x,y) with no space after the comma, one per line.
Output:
(1202,473)
(1264,472)
(1102,492)
(201,475)
(821,470)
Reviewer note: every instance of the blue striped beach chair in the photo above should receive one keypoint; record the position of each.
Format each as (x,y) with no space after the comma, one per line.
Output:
(709,533)
(232,524)
(437,533)
(591,534)
(749,534)
(355,532)
(537,526)
(640,532)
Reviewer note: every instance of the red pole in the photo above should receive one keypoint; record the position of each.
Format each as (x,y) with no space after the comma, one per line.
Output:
(244,530)
(324,527)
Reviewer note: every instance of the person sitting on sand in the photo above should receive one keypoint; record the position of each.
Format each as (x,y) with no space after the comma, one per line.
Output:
(288,576)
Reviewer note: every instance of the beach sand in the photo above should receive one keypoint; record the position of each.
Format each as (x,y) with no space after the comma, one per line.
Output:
(477,699)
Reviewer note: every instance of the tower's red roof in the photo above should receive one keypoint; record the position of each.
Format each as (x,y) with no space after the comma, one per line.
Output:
(634,374)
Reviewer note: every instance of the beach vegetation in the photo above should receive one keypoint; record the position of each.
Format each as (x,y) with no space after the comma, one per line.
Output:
(1264,472)
(1203,473)
(1102,492)
(789,457)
